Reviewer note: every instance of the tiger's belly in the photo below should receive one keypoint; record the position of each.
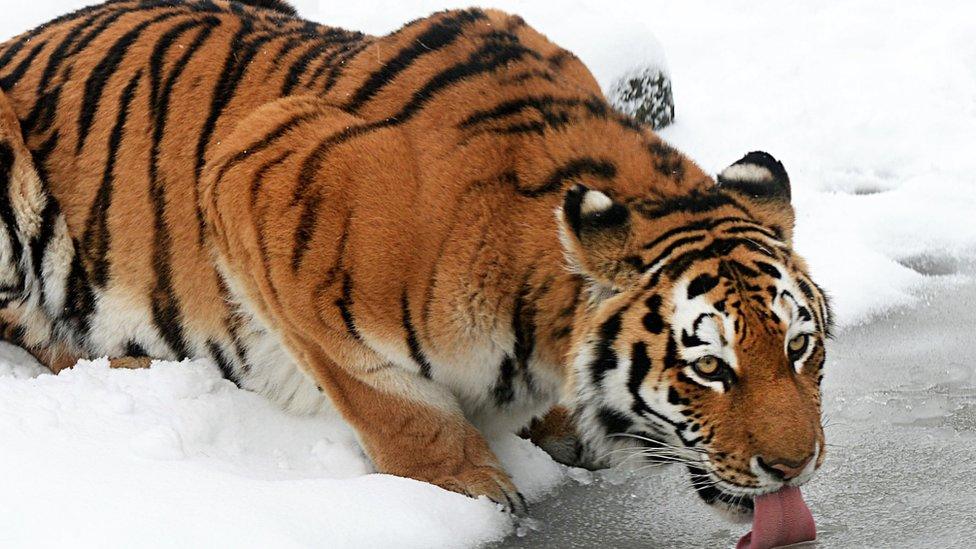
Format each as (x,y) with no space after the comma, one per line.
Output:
(252,355)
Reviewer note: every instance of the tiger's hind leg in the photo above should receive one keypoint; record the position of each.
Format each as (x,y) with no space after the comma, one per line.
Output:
(286,263)
(23,201)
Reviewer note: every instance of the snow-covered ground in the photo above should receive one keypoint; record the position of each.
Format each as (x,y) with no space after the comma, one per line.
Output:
(871,106)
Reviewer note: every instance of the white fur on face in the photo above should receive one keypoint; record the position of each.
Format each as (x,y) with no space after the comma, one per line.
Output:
(699,317)
(788,305)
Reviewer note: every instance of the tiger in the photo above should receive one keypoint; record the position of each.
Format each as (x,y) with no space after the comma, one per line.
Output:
(443,234)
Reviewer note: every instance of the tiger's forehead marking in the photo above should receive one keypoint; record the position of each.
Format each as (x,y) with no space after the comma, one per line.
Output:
(707,324)
(701,327)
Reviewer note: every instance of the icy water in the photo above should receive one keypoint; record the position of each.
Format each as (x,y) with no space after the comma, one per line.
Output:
(901,469)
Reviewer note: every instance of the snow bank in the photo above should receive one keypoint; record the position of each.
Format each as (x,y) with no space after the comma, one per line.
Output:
(175,456)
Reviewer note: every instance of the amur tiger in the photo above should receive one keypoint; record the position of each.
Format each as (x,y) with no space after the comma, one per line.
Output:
(442,233)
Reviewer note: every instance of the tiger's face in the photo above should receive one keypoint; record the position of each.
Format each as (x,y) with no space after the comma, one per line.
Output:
(709,353)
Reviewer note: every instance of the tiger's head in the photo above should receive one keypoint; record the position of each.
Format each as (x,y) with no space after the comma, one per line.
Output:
(704,340)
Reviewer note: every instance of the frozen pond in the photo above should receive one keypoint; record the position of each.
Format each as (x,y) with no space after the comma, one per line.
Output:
(901,469)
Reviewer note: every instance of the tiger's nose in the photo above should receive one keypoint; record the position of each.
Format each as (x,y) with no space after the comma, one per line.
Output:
(784,469)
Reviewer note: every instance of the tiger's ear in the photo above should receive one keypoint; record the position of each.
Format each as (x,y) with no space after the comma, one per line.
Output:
(762,180)
(596,233)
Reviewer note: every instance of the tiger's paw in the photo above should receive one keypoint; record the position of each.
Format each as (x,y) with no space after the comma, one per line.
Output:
(556,434)
(488,481)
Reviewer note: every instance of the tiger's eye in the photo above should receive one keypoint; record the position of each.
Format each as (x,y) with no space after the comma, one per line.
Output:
(798,343)
(707,366)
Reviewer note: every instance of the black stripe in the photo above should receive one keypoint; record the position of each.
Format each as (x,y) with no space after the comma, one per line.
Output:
(666,252)
(165,304)
(257,180)
(671,358)
(239,56)
(640,367)
(613,422)
(157,59)
(702,225)
(79,302)
(9,221)
(571,171)
(266,141)
(498,50)
(161,109)
(133,349)
(38,245)
(695,202)
(676,399)
(523,327)
(344,303)
(439,35)
(15,47)
(97,237)
(44,105)
(49,214)
(6,207)
(97,30)
(103,72)
(719,248)
(60,53)
(690,339)
(413,343)
(300,66)
(769,269)
(704,486)
(775,234)
(329,62)
(541,103)
(701,284)
(504,389)
(653,322)
(41,116)
(9,81)
(742,271)
(338,66)
(552,114)
(305,230)
(666,160)
(226,368)
(606,357)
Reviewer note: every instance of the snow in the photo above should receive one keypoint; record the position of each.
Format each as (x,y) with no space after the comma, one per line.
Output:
(176,456)
(870,105)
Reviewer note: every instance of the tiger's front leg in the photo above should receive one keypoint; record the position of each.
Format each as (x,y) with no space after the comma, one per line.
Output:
(410,427)
(285,205)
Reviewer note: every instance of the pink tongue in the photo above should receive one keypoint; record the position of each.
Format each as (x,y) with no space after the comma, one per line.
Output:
(781,518)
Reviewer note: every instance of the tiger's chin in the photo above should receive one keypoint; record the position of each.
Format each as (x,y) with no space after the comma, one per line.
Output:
(737,508)
(740,512)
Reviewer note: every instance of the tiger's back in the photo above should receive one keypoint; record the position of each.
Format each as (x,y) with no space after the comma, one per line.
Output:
(123,104)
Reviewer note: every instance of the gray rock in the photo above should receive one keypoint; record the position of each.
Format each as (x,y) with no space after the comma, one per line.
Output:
(646,95)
